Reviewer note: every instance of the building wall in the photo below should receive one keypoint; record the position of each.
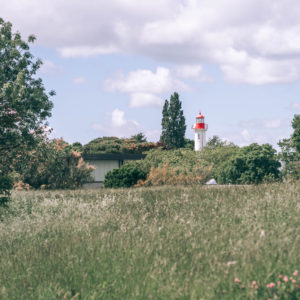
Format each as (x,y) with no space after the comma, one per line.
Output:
(102,167)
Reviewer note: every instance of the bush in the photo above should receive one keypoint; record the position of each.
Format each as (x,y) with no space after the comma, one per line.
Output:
(126,176)
(54,165)
(6,184)
(252,164)
(181,166)
(166,175)
(136,144)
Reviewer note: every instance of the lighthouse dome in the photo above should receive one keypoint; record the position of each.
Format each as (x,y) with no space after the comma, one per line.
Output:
(200,116)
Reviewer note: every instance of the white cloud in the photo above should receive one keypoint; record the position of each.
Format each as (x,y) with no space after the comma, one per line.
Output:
(259,71)
(86,51)
(145,81)
(79,80)
(192,72)
(276,123)
(245,134)
(258,124)
(153,135)
(145,100)
(49,67)
(295,106)
(145,86)
(117,118)
(118,125)
(253,41)
(259,131)
(249,136)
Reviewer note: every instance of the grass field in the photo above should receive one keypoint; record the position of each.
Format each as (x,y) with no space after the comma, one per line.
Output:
(162,243)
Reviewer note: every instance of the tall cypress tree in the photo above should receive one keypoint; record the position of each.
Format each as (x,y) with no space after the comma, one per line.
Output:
(173,123)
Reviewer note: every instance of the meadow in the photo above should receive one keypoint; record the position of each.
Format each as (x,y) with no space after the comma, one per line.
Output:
(199,242)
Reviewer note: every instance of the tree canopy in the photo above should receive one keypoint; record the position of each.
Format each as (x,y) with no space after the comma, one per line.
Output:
(24,102)
(296,133)
(251,164)
(290,151)
(173,123)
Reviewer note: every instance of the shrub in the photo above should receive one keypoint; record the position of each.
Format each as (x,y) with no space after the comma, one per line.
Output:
(166,175)
(136,144)
(6,184)
(172,167)
(54,165)
(252,164)
(126,176)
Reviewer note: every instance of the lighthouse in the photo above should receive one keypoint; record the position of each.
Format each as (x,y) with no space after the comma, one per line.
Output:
(200,130)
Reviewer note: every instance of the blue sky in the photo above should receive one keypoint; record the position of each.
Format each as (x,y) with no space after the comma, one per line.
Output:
(113,63)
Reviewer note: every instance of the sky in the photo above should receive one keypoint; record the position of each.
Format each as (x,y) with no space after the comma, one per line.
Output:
(113,63)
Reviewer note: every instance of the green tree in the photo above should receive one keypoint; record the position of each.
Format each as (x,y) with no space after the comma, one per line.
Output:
(126,176)
(173,123)
(296,134)
(216,153)
(290,151)
(189,144)
(24,103)
(214,142)
(252,164)
(54,164)
(139,138)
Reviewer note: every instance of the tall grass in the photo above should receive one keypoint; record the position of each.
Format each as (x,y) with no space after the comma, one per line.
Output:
(158,243)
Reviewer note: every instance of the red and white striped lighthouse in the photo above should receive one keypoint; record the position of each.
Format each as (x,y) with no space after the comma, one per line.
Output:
(200,132)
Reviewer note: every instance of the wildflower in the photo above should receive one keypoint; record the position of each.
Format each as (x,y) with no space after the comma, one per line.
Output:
(293,280)
(254,282)
(271,285)
(280,276)
(278,282)
(285,279)
(236,280)
(295,273)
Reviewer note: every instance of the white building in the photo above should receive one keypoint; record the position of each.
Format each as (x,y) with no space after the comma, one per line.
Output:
(200,129)
(104,163)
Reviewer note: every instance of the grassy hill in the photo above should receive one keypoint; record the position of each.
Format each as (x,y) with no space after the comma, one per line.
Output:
(152,243)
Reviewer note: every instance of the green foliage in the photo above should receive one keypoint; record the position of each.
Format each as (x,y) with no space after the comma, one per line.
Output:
(184,160)
(126,176)
(77,147)
(189,144)
(215,142)
(216,153)
(296,134)
(6,184)
(179,166)
(134,145)
(173,123)
(24,103)
(54,165)
(139,138)
(252,164)
(290,152)
(152,243)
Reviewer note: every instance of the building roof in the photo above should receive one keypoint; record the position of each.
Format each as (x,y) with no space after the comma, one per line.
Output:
(200,116)
(113,156)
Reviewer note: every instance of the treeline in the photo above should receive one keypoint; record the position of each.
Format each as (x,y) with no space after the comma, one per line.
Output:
(225,162)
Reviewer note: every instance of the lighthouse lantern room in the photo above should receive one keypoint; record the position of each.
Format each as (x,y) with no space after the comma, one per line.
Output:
(200,132)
